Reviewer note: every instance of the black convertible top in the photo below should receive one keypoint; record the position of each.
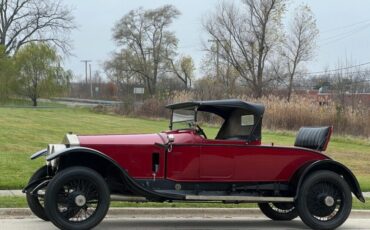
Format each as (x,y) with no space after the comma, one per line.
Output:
(221,107)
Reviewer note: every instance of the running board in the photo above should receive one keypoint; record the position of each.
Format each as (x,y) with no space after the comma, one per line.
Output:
(252,199)
(116,197)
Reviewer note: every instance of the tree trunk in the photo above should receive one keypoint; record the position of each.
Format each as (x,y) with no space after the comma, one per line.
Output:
(290,87)
(34,102)
(258,92)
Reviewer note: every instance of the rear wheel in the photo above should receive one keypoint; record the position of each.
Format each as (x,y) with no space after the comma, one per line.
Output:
(77,198)
(36,201)
(324,201)
(279,211)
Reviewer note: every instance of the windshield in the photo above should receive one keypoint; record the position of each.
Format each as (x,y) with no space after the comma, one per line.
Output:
(183,119)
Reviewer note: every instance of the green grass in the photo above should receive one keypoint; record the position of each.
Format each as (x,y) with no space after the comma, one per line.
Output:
(16,102)
(24,131)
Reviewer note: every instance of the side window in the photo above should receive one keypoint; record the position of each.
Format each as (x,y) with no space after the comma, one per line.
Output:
(211,123)
(247,120)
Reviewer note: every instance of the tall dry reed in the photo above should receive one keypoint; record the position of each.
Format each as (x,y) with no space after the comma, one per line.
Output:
(303,111)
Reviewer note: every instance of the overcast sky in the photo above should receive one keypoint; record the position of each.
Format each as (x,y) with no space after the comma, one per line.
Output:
(344,29)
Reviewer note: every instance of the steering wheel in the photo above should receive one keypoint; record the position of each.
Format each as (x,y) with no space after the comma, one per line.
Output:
(201,132)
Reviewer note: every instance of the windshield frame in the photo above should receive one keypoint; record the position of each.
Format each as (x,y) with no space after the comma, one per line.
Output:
(195,109)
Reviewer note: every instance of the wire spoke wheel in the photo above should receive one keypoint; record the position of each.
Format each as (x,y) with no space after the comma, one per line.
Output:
(78,198)
(282,207)
(324,201)
(279,211)
(35,199)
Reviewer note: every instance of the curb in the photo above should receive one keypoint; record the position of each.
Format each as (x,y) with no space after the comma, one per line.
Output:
(170,212)
(11,192)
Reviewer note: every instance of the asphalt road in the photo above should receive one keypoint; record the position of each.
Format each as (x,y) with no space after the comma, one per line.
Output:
(183,223)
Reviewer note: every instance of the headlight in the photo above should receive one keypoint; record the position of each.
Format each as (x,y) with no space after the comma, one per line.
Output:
(53,148)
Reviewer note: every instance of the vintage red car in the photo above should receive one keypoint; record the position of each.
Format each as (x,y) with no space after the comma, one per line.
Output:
(85,173)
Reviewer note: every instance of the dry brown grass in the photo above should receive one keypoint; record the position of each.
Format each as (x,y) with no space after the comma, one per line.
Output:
(302,111)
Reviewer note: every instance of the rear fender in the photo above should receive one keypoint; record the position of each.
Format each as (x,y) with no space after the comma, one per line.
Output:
(92,158)
(330,165)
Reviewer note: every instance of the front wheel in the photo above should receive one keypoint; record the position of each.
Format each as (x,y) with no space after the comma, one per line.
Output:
(324,200)
(77,198)
(36,201)
(279,211)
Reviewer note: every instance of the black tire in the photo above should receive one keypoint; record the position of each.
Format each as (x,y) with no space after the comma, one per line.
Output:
(77,198)
(324,200)
(279,211)
(36,203)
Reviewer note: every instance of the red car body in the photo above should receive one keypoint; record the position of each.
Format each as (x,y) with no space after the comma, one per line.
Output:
(195,159)
(182,164)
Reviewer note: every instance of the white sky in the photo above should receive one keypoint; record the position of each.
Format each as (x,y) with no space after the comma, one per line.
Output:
(344,29)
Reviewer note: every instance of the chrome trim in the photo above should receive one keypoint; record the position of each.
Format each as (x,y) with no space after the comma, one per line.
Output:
(71,140)
(239,198)
(171,138)
(39,154)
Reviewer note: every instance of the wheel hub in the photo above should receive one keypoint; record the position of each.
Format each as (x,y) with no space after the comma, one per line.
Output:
(80,200)
(329,201)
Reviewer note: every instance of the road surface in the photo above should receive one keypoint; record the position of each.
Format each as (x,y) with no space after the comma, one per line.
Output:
(183,223)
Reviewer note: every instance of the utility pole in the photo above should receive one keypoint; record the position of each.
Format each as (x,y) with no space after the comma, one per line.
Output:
(218,54)
(86,61)
(91,87)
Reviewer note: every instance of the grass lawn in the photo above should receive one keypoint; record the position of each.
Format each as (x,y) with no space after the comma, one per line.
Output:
(18,102)
(24,131)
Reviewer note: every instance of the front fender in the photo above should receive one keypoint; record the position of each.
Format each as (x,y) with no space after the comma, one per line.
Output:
(334,166)
(34,186)
(39,154)
(127,179)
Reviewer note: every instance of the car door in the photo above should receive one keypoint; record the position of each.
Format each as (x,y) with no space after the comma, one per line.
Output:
(182,160)
(216,160)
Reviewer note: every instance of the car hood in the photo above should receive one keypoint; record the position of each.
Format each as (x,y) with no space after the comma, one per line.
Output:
(133,139)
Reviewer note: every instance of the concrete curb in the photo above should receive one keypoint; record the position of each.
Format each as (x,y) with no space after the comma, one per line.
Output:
(6,213)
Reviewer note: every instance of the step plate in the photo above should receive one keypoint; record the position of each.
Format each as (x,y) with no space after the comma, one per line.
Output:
(252,199)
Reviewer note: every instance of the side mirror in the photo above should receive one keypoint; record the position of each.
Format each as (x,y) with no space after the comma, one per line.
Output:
(171,138)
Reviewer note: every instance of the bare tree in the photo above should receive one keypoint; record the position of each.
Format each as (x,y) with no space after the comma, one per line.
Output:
(7,75)
(253,32)
(25,21)
(146,42)
(216,63)
(116,71)
(300,43)
(184,70)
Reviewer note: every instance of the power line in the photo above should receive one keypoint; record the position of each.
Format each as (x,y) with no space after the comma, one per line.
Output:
(334,70)
(346,26)
(338,37)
